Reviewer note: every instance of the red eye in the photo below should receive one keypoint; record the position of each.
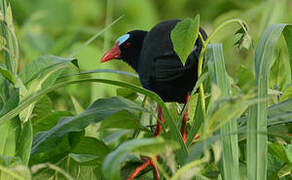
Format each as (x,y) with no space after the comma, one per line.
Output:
(127,44)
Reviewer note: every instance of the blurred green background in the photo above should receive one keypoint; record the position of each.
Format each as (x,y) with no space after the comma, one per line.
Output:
(60,27)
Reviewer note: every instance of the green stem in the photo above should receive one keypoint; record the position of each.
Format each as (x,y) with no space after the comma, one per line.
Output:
(8,51)
(239,21)
(205,44)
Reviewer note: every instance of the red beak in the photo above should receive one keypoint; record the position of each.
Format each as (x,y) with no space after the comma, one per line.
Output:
(114,53)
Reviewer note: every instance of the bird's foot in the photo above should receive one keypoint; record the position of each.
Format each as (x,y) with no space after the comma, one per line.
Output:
(148,162)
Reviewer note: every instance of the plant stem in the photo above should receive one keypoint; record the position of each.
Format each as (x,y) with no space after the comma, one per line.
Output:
(239,21)
(205,44)
(200,67)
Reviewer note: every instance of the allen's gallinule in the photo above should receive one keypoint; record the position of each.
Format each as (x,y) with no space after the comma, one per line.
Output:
(152,56)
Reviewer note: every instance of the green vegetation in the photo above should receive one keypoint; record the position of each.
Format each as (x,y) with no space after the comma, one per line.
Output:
(63,115)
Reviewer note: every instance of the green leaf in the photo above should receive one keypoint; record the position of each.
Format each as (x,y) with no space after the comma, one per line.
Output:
(9,18)
(85,152)
(98,111)
(78,108)
(184,36)
(123,120)
(245,78)
(43,65)
(287,94)
(3,42)
(47,122)
(7,74)
(288,150)
(144,146)
(245,40)
(42,108)
(10,129)
(257,115)
(24,142)
(42,71)
(18,172)
(1,16)
(169,121)
(278,150)
(219,76)
(127,93)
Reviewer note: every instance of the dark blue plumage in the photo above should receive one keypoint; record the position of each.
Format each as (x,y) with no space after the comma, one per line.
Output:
(160,70)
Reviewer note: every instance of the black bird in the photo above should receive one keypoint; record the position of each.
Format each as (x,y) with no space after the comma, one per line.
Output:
(152,56)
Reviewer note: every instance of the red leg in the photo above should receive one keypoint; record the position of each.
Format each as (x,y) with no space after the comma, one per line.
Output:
(148,162)
(139,169)
(160,121)
(183,125)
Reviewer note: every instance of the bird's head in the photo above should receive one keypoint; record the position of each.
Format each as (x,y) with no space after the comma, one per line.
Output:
(127,47)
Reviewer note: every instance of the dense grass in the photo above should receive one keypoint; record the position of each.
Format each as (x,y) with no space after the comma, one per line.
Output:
(49,130)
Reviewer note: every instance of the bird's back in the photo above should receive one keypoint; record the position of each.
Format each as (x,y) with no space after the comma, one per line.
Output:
(161,70)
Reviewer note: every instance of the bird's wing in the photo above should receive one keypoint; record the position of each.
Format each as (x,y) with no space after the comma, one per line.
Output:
(168,67)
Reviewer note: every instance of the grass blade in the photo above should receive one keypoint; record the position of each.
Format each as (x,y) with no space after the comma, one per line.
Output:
(94,37)
(257,117)
(220,77)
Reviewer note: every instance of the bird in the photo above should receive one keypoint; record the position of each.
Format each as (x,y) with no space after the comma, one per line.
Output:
(152,56)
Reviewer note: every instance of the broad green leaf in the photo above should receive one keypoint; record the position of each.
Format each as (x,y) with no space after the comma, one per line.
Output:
(122,119)
(24,142)
(126,93)
(7,74)
(89,151)
(257,116)
(42,108)
(245,78)
(45,71)
(149,146)
(184,36)
(89,145)
(288,150)
(98,111)
(49,121)
(274,165)
(219,76)
(54,154)
(278,150)
(10,129)
(279,113)
(43,65)
(169,121)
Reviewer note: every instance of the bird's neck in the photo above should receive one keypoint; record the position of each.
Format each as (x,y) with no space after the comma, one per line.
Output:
(133,54)
(133,61)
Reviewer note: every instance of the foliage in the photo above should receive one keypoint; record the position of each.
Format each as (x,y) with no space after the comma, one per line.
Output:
(65,116)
